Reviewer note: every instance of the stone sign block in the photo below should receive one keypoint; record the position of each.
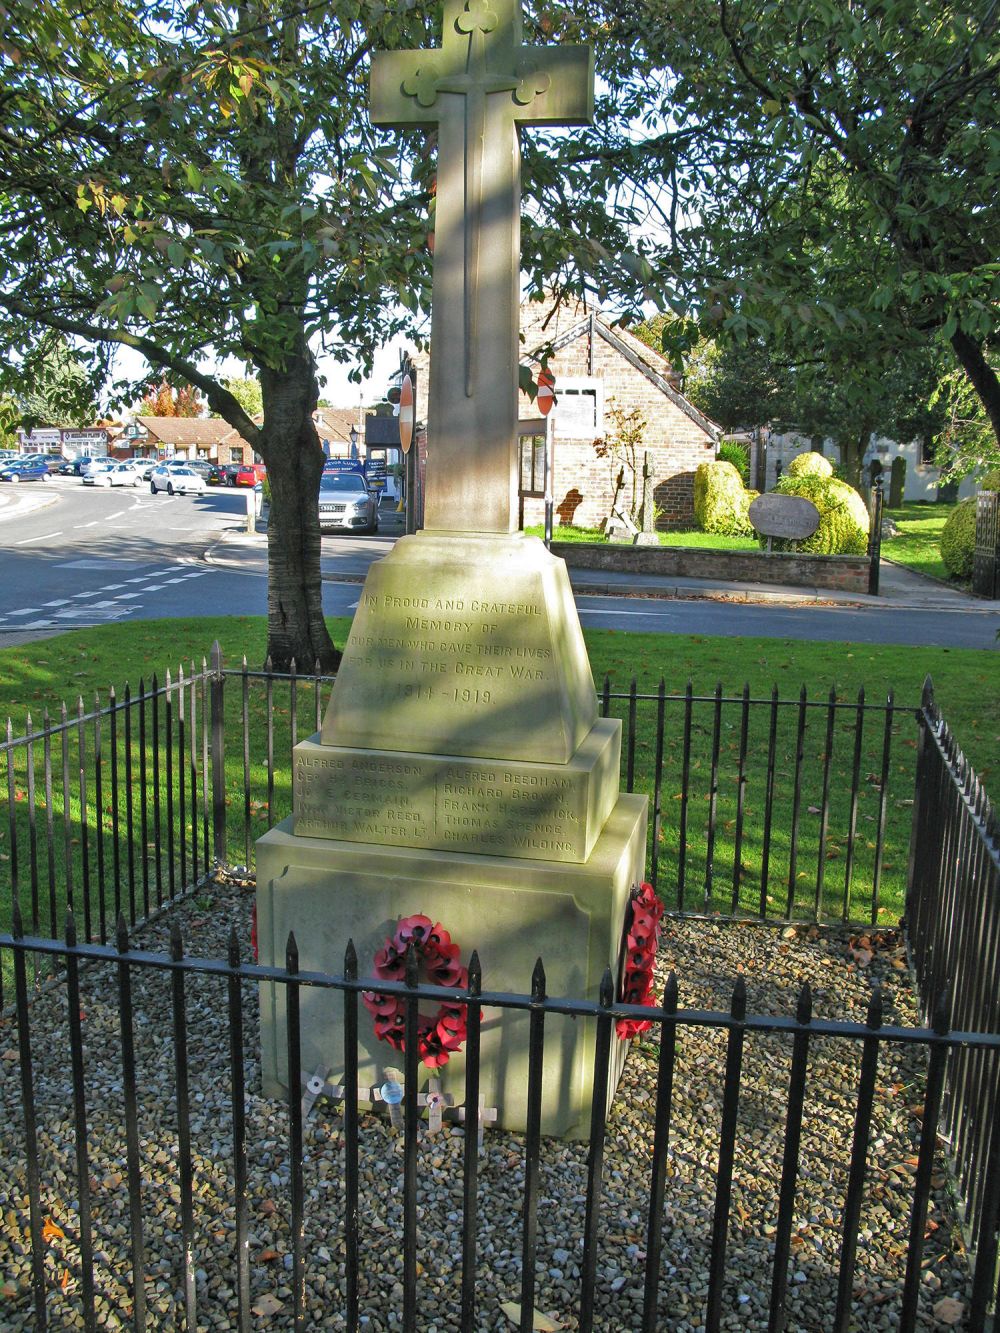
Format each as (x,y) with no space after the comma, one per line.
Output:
(545,811)
(790,516)
(511,910)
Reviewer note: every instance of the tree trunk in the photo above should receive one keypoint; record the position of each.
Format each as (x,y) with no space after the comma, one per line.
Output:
(981,375)
(290,447)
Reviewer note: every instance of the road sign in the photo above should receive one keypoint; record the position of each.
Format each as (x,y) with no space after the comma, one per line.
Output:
(405,413)
(545,396)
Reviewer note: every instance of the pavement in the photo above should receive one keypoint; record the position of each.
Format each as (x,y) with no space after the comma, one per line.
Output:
(346,559)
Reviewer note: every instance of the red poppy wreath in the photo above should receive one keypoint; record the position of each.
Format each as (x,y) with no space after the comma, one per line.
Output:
(438,1035)
(642,935)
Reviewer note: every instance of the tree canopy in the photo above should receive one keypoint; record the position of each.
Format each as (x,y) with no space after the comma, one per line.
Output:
(828,175)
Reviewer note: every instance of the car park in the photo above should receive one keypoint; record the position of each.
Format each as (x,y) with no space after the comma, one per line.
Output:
(25,469)
(346,503)
(177,479)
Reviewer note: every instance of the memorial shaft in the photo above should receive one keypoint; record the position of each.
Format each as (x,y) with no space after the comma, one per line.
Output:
(477,89)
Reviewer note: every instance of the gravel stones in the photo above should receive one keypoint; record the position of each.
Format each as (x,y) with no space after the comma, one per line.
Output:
(706,958)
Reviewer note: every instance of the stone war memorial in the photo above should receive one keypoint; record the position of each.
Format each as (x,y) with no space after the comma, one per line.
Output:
(462,773)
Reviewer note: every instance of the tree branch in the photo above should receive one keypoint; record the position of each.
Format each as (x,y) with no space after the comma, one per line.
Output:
(219,398)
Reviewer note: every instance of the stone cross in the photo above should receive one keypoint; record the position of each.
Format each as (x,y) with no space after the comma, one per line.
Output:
(477,89)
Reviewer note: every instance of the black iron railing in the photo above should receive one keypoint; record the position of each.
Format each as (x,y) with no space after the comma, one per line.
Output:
(60,1177)
(778,808)
(953,928)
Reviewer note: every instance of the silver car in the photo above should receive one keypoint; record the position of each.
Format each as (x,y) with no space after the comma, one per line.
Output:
(345,502)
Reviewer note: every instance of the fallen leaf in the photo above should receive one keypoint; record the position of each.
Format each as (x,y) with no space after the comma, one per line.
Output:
(268,1207)
(65,1280)
(9,1290)
(540,1323)
(266,1256)
(948,1310)
(50,1231)
(267,1304)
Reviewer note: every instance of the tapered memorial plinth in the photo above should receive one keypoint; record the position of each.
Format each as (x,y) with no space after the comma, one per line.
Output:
(462,773)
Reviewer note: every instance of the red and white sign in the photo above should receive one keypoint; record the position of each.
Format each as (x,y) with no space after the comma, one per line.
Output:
(405,414)
(545,396)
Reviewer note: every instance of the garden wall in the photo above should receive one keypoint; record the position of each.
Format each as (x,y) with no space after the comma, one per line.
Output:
(840,573)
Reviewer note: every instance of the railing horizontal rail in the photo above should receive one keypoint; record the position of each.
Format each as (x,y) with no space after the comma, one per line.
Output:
(259,972)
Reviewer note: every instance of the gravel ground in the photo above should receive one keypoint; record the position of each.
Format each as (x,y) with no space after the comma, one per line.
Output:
(706,958)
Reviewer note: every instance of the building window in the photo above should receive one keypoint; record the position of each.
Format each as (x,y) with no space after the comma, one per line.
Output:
(532,465)
(236,455)
(927,453)
(579,410)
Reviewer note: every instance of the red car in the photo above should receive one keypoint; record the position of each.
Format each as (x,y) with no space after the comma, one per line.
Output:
(244,475)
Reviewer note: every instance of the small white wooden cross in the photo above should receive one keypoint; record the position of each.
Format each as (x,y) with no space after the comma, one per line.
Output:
(391,1092)
(314,1086)
(435,1100)
(487,1114)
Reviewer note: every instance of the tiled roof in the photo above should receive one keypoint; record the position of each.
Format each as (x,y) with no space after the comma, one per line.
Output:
(183,432)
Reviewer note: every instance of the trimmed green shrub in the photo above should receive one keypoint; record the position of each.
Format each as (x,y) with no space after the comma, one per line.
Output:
(990,481)
(739,456)
(843,516)
(958,539)
(720,500)
(809,465)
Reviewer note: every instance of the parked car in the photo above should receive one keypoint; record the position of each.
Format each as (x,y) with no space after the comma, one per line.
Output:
(177,479)
(72,467)
(98,469)
(52,461)
(26,469)
(146,466)
(87,465)
(125,473)
(345,502)
(243,475)
(210,471)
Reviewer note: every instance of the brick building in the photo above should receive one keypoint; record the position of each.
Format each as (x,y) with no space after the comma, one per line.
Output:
(602,374)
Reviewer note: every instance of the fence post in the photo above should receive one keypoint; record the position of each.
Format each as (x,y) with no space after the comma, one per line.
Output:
(986,556)
(875,537)
(925,720)
(217,709)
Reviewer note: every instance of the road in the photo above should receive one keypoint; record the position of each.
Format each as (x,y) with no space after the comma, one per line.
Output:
(90,556)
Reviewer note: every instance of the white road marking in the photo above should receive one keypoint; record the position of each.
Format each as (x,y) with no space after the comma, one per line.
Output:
(128,596)
(43,538)
(150,587)
(94,592)
(59,601)
(89,525)
(118,515)
(25,611)
(112,587)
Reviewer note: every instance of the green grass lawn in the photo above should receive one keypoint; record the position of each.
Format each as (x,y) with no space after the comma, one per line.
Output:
(916,547)
(709,541)
(719,858)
